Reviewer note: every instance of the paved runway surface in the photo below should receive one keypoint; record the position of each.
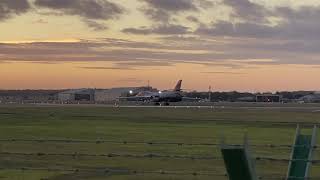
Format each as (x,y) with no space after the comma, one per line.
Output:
(313,108)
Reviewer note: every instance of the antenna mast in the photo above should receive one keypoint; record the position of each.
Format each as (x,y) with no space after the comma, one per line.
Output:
(210,93)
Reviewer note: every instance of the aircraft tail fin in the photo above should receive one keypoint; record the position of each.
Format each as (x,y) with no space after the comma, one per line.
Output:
(178,86)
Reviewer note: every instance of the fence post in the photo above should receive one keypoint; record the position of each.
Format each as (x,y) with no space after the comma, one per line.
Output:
(311,152)
(301,155)
(238,161)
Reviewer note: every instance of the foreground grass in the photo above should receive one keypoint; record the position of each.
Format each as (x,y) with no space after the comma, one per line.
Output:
(138,124)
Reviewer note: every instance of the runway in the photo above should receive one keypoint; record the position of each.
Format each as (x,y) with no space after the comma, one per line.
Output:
(309,109)
(313,108)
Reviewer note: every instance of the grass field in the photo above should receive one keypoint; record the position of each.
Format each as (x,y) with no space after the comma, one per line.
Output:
(121,127)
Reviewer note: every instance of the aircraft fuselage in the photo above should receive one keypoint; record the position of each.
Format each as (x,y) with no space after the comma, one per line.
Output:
(167,97)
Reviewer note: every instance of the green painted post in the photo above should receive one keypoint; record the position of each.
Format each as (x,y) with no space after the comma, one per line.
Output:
(238,162)
(311,152)
(301,155)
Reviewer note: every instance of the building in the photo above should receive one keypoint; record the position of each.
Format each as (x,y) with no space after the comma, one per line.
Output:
(28,96)
(247,99)
(98,95)
(108,95)
(268,98)
(76,95)
(311,98)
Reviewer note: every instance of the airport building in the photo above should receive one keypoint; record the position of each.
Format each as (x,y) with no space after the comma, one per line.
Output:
(108,95)
(99,95)
(76,95)
(311,98)
(28,96)
(268,98)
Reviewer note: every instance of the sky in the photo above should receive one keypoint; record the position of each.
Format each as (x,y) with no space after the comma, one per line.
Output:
(243,45)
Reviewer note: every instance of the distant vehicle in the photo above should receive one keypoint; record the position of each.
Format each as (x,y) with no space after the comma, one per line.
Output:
(160,97)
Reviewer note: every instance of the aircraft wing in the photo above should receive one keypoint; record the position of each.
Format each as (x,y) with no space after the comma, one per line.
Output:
(136,98)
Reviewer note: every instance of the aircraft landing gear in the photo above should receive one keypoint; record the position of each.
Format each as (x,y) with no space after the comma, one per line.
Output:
(162,104)
(166,104)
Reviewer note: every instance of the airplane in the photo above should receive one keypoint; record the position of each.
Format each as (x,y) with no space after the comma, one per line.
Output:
(160,97)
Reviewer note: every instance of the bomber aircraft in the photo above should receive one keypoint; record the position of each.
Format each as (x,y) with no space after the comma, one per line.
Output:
(160,97)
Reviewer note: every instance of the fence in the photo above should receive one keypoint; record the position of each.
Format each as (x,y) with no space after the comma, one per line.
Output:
(231,154)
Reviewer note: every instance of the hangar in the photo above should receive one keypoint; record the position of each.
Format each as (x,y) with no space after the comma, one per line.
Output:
(107,95)
(98,95)
(268,98)
(311,98)
(76,95)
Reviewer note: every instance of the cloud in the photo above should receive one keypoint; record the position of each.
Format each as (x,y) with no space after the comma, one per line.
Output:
(95,25)
(143,62)
(294,24)
(206,3)
(108,68)
(193,19)
(300,23)
(90,9)
(172,5)
(283,34)
(161,10)
(246,29)
(160,29)
(223,72)
(103,50)
(257,21)
(233,53)
(304,12)
(9,8)
(40,21)
(245,9)
(236,51)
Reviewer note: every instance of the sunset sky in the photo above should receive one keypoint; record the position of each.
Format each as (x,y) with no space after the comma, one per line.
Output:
(244,45)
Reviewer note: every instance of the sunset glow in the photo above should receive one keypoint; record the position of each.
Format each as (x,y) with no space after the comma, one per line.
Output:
(244,45)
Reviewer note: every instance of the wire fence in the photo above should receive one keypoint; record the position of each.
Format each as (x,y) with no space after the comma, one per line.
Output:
(121,171)
(124,142)
(151,156)
(112,171)
(147,156)
(115,155)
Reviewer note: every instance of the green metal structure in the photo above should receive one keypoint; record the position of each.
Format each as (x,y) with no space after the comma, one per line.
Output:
(301,155)
(238,162)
